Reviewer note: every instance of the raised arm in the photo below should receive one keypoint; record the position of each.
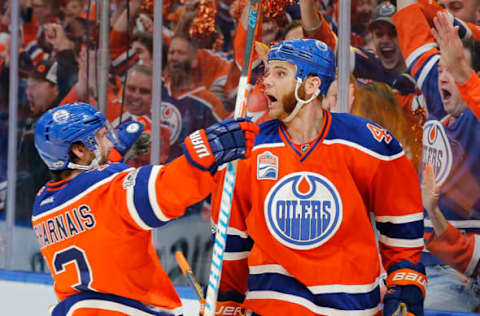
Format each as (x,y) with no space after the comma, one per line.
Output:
(452,52)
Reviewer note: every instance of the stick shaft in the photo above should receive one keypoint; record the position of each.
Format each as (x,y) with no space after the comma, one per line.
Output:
(230,175)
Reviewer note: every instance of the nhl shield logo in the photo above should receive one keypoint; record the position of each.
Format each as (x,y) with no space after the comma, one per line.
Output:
(437,150)
(303,210)
(267,166)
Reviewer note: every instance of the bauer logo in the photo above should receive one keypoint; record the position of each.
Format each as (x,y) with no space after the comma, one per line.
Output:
(267,166)
(436,150)
(303,210)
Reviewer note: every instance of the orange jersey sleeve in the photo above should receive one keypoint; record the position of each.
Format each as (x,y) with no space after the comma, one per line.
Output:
(94,229)
(214,68)
(324,33)
(460,251)
(470,92)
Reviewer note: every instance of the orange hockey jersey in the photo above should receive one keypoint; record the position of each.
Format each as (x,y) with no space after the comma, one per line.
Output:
(300,240)
(95,232)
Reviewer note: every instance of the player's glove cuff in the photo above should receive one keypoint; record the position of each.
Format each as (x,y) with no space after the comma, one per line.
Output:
(220,143)
(405,284)
(198,152)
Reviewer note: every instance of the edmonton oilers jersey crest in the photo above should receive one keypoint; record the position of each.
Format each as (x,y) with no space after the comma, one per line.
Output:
(436,150)
(303,210)
(172,117)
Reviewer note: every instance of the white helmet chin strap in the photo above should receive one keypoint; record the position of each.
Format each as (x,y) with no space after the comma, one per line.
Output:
(94,164)
(300,102)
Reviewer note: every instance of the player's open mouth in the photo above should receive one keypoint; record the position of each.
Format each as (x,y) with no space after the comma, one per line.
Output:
(271,99)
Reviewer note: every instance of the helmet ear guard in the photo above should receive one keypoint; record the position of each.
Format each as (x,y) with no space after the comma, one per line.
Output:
(59,128)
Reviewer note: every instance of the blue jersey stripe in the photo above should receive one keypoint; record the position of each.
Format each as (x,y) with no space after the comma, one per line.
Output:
(411,230)
(141,199)
(288,285)
(238,244)
(354,129)
(64,306)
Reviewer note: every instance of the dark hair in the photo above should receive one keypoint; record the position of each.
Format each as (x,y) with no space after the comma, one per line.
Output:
(145,38)
(474,48)
(294,24)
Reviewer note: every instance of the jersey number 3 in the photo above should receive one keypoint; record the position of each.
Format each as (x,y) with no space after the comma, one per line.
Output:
(379,133)
(74,255)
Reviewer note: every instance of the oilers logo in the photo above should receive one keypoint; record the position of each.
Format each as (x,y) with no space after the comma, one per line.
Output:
(303,210)
(436,150)
(172,118)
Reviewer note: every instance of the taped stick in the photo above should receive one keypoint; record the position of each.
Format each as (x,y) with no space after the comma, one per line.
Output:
(231,173)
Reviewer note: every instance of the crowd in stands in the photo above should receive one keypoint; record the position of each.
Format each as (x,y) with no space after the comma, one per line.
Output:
(413,71)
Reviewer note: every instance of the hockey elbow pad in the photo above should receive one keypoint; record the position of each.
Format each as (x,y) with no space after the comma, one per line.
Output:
(405,288)
(220,143)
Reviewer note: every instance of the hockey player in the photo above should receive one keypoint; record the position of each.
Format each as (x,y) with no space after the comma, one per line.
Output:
(300,241)
(94,220)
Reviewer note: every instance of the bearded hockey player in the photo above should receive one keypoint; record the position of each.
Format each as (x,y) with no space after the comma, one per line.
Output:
(300,240)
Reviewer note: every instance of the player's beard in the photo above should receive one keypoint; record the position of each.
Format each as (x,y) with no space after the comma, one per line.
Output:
(289,101)
(179,73)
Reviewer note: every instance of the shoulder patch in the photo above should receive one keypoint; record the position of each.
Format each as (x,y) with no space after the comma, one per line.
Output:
(130,179)
(267,166)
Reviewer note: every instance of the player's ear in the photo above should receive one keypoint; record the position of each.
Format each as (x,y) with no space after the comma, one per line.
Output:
(79,152)
(312,84)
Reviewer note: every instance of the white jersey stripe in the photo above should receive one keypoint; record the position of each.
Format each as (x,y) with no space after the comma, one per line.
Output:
(400,219)
(152,194)
(79,196)
(236,232)
(419,51)
(232,256)
(317,289)
(268,145)
(406,243)
(426,69)
(457,224)
(475,257)
(133,210)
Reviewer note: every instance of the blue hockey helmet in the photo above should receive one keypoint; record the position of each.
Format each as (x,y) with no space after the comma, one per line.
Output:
(310,56)
(60,127)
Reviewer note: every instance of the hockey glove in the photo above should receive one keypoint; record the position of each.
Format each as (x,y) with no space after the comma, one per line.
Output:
(127,134)
(220,143)
(405,288)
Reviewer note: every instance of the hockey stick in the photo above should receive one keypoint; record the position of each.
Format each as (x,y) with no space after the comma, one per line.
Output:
(188,273)
(231,173)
